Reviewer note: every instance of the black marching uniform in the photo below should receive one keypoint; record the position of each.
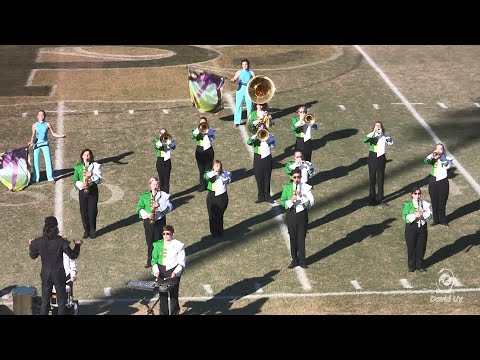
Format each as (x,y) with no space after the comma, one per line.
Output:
(53,272)
(204,154)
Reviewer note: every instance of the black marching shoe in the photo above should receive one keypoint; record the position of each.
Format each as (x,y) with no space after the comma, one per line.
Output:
(292,265)
(258,201)
(303,265)
(92,235)
(444,223)
(434,223)
(147,266)
(85,235)
(422,270)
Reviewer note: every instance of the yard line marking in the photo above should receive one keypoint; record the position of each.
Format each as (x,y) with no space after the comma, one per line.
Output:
(53,91)
(342,107)
(165,111)
(456,282)
(301,274)
(375,106)
(58,201)
(258,288)
(208,289)
(131,111)
(287,295)
(442,105)
(406,284)
(356,285)
(30,77)
(417,116)
(107,291)
(477,105)
(95,112)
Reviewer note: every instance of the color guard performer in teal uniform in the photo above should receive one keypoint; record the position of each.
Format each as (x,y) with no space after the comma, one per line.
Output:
(244,75)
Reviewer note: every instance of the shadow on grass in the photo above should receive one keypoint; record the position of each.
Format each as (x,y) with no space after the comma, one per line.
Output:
(351,238)
(64,173)
(221,303)
(465,243)
(132,219)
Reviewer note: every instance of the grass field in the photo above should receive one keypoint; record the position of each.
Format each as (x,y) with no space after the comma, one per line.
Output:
(347,239)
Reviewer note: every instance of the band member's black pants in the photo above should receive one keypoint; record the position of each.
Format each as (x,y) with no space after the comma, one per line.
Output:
(164,168)
(153,232)
(88,208)
(416,239)
(438,191)
(55,277)
(297,229)
(216,206)
(262,168)
(174,305)
(305,147)
(376,175)
(204,162)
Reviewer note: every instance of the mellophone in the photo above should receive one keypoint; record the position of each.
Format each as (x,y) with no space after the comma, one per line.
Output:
(160,285)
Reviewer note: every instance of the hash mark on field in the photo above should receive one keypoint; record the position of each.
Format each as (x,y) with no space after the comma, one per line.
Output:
(442,105)
(410,103)
(130,111)
(24,115)
(208,289)
(95,112)
(258,288)
(477,105)
(456,282)
(165,111)
(375,106)
(342,107)
(356,285)
(406,284)
(107,291)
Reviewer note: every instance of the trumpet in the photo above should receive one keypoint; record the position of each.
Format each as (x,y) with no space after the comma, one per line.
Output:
(166,138)
(309,119)
(435,154)
(86,180)
(203,127)
(263,134)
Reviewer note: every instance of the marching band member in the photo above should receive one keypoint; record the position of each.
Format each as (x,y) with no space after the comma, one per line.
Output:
(303,133)
(164,145)
(415,213)
(244,76)
(306,167)
(257,115)
(438,186)
(296,199)
(217,198)
(204,154)
(377,160)
(168,261)
(152,207)
(262,141)
(87,175)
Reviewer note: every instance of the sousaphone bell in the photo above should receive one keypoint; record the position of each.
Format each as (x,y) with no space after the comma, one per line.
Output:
(260,89)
